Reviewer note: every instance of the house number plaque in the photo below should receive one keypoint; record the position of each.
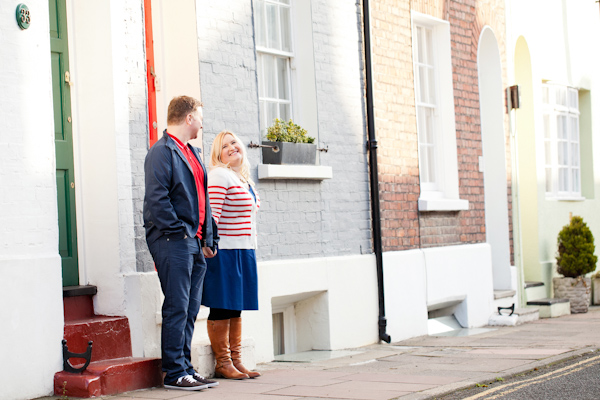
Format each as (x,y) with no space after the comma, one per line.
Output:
(23,16)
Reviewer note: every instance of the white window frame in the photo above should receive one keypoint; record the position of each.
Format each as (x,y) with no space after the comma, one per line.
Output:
(443,194)
(552,110)
(288,56)
(302,82)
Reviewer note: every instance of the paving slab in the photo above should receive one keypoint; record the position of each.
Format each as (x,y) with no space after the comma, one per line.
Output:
(415,369)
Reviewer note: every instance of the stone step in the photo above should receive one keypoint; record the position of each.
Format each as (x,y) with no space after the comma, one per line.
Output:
(111,336)
(519,317)
(551,308)
(109,377)
(77,302)
(501,294)
(535,290)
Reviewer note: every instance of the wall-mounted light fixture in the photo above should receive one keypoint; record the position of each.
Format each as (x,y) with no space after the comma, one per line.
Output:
(513,97)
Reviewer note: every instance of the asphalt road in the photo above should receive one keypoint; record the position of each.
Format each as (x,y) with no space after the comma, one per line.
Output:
(574,379)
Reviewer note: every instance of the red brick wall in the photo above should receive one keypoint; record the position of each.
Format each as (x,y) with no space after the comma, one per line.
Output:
(395,121)
(403,227)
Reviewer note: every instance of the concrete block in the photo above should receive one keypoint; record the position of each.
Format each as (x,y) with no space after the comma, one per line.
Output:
(551,308)
(204,360)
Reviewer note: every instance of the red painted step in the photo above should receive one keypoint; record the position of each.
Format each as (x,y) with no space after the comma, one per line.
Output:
(78,307)
(109,377)
(111,337)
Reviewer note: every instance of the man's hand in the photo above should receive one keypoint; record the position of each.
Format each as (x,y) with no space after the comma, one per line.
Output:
(208,253)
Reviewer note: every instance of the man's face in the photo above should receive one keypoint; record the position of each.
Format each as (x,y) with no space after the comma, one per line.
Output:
(196,124)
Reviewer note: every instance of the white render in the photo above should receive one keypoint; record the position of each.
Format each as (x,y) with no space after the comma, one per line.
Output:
(30,269)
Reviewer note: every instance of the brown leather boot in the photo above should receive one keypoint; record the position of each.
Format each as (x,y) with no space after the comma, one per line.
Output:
(235,343)
(218,333)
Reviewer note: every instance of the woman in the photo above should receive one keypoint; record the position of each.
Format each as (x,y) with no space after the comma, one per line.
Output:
(231,283)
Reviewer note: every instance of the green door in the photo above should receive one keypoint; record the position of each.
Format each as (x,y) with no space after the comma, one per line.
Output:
(63,139)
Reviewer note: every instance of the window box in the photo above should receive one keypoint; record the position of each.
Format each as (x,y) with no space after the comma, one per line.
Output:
(289,153)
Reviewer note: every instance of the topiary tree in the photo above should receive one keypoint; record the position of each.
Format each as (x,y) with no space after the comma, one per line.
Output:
(576,249)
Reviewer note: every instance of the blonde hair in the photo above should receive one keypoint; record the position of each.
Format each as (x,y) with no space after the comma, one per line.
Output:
(215,155)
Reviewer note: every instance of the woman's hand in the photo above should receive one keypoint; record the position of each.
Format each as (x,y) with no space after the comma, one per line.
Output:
(208,252)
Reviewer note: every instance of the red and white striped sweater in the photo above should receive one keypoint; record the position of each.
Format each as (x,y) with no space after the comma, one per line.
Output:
(233,209)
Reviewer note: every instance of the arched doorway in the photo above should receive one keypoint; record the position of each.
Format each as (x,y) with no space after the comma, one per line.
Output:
(526,184)
(494,157)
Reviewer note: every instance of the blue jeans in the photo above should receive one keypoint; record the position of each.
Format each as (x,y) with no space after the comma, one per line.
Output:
(181,268)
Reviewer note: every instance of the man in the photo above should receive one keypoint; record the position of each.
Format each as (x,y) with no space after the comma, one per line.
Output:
(180,233)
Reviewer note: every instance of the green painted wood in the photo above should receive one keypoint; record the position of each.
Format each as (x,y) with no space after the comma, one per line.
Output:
(63,139)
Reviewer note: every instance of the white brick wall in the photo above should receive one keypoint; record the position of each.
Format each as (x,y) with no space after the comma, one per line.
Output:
(135,67)
(298,218)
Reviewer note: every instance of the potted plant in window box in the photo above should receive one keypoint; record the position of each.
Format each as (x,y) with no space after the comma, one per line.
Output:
(575,258)
(287,143)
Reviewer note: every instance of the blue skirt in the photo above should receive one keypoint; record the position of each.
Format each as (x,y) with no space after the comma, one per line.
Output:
(231,280)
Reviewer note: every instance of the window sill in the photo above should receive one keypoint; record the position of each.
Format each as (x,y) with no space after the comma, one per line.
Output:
(565,198)
(310,172)
(443,205)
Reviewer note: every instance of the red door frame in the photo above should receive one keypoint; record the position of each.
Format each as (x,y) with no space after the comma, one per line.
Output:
(150,73)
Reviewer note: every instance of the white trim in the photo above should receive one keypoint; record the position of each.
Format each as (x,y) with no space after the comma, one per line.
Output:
(315,172)
(445,197)
(443,204)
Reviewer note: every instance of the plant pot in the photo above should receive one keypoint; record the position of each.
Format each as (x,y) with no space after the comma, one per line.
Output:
(596,290)
(289,153)
(577,290)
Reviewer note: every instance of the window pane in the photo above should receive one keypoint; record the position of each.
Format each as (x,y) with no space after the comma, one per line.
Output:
(431,164)
(431,85)
(573,99)
(563,179)
(273,28)
(549,180)
(270,76)
(420,45)
(574,128)
(425,116)
(261,35)
(284,112)
(429,127)
(574,155)
(563,158)
(286,29)
(561,127)
(423,92)
(282,78)
(576,185)
(271,112)
(428,47)
(548,152)
(561,96)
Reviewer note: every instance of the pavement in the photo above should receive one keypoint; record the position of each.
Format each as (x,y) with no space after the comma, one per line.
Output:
(425,367)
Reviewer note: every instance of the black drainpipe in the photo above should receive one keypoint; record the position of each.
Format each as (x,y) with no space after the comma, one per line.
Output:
(374,177)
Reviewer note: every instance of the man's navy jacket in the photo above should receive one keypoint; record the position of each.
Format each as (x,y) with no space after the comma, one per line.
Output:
(171,200)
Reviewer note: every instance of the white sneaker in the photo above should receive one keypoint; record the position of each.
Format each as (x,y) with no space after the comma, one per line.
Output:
(204,381)
(186,382)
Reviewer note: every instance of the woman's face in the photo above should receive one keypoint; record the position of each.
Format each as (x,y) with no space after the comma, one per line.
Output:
(231,151)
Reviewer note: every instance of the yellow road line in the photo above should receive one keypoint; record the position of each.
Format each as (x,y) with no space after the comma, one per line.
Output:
(524,383)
